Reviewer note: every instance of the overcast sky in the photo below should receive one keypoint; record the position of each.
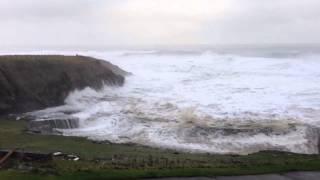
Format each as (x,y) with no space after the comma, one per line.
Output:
(94,23)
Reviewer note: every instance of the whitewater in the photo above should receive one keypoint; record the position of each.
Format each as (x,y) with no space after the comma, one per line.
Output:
(201,102)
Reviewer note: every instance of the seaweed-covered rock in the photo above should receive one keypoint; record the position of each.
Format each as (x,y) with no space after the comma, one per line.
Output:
(32,82)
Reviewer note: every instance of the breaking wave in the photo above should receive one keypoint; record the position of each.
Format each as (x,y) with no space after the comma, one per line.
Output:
(202,102)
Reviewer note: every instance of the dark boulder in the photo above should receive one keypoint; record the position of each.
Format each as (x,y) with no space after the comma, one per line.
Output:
(32,82)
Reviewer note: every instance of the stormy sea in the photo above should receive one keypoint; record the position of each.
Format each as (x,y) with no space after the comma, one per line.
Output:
(195,100)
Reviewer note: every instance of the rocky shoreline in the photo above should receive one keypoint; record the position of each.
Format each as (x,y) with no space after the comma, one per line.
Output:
(127,161)
(33,82)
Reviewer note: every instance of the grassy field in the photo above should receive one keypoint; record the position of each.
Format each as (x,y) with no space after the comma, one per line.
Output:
(113,161)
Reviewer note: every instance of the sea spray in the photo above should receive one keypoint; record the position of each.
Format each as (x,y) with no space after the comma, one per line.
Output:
(216,103)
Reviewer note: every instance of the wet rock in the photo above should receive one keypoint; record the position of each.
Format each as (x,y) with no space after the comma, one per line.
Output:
(115,69)
(313,139)
(232,131)
(33,82)
(52,126)
(57,153)
(308,141)
(72,157)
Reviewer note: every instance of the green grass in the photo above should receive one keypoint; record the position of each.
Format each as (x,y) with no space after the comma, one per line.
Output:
(114,161)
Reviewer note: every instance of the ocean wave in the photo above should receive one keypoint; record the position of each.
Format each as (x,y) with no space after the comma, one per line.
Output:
(202,102)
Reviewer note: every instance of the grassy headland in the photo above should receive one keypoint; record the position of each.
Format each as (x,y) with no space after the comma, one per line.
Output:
(114,161)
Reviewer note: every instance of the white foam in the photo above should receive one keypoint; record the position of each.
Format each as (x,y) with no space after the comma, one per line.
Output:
(169,95)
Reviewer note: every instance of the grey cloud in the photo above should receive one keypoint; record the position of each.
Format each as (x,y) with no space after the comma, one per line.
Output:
(43,9)
(267,21)
(106,22)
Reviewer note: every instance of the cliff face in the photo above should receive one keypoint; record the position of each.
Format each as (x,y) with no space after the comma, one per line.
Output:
(30,82)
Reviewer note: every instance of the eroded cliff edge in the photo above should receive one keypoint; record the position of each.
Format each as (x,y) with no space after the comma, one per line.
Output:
(32,82)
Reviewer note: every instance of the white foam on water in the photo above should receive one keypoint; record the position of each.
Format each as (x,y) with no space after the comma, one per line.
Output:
(202,102)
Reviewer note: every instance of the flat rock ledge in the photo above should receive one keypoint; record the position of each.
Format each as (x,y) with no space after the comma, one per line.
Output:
(52,126)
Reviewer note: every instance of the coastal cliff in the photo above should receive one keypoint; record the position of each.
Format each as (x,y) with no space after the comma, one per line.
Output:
(32,82)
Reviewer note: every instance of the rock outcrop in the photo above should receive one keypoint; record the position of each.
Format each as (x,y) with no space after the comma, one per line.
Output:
(32,82)
(52,126)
